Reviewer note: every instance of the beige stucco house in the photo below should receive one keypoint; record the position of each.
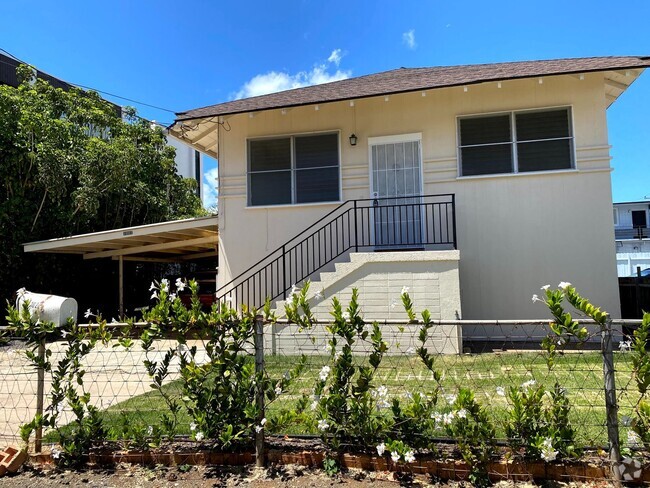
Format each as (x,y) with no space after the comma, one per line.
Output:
(470,185)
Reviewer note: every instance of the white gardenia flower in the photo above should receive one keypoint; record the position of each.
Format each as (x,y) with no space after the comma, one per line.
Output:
(258,428)
(154,295)
(88,313)
(323,425)
(324,373)
(150,430)
(64,333)
(448,418)
(199,436)
(278,390)
(381,448)
(153,286)
(501,391)
(314,405)
(462,413)
(528,384)
(437,417)
(294,290)
(409,456)
(164,284)
(346,315)
(536,299)
(56,453)
(172,297)
(451,398)
(405,290)
(180,284)
(193,426)
(394,456)
(545,287)
(564,285)
(625,346)
(633,439)
(549,455)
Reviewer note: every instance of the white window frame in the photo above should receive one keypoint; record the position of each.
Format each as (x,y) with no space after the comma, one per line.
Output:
(292,169)
(513,141)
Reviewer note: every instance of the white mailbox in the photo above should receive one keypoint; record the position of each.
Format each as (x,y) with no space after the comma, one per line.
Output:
(49,308)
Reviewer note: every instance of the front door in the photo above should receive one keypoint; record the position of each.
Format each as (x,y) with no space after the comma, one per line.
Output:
(396,191)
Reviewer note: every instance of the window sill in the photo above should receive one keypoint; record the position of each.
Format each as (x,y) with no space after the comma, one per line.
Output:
(518,175)
(292,205)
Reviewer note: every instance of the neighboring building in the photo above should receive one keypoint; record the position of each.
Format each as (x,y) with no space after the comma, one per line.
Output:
(189,162)
(516,156)
(632,236)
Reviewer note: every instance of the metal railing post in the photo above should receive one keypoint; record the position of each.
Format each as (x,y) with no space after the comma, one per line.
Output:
(356,232)
(284,272)
(610,400)
(453,212)
(40,396)
(259,393)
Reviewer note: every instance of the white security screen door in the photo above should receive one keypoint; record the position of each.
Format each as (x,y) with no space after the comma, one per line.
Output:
(396,190)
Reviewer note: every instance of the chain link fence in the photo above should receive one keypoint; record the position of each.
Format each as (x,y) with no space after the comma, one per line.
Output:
(487,357)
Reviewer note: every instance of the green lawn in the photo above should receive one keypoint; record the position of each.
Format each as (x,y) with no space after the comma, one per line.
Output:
(580,373)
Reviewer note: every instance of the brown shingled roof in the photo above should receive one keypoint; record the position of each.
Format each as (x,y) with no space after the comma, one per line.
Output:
(414,79)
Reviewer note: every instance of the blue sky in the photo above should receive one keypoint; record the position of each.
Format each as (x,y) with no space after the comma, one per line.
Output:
(182,55)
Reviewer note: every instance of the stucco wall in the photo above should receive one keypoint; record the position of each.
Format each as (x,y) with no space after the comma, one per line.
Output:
(515,232)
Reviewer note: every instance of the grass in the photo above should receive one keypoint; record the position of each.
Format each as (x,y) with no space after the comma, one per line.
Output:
(580,373)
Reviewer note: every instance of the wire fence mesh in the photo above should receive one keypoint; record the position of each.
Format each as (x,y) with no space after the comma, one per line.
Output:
(487,357)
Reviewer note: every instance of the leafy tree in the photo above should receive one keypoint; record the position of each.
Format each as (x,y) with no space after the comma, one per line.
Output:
(71,163)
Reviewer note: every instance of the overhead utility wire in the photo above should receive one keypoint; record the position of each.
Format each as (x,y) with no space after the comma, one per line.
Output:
(89,87)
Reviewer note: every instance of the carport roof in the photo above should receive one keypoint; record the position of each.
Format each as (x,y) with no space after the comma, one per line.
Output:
(175,241)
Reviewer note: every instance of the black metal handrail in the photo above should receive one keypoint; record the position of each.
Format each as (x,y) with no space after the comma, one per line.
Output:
(395,223)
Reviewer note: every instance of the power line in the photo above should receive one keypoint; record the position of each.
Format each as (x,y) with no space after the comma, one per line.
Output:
(89,87)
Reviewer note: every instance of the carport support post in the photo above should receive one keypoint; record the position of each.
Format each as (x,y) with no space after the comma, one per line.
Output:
(40,394)
(120,264)
(259,375)
(611,407)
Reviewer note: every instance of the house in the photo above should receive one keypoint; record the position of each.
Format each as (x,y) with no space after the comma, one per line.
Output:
(189,161)
(472,186)
(632,237)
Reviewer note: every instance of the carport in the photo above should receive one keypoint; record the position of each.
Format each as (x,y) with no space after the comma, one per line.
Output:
(166,242)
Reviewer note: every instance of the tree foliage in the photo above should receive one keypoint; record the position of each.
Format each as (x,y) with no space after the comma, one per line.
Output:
(72,163)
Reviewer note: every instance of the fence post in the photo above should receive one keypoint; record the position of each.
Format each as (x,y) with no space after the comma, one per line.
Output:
(40,396)
(610,400)
(259,373)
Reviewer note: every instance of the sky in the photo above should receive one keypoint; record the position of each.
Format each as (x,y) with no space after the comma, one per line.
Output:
(183,55)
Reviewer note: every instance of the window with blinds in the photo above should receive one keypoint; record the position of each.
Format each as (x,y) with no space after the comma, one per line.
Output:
(516,142)
(293,169)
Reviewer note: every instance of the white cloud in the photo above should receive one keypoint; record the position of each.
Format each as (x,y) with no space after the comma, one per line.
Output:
(335,57)
(209,190)
(275,81)
(408,38)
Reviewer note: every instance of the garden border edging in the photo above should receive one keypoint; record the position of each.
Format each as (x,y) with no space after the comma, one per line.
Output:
(453,470)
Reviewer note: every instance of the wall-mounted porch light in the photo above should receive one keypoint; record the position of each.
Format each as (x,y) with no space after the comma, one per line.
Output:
(353,140)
